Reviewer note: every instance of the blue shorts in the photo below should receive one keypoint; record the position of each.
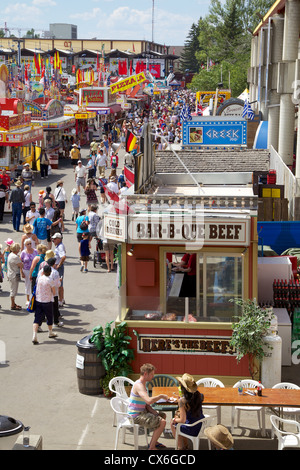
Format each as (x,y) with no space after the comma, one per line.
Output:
(61,272)
(43,310)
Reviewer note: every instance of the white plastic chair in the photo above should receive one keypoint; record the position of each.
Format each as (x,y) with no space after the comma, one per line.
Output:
(285,438)
(125,421)
(117,386)
(211,382)
(195,439)
(288,385)
(259,409)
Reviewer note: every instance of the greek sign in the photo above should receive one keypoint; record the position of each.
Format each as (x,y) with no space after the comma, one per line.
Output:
(214,132)
(201,345)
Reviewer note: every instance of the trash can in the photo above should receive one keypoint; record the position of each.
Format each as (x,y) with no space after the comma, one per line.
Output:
(9,430)
(89,367)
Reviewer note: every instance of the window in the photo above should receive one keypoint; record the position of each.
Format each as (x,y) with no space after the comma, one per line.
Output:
(209,280)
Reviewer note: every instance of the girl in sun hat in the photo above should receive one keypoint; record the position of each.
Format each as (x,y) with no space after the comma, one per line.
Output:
(190,410)
(220,437)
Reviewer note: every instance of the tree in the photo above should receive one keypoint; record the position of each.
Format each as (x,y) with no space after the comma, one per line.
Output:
(188,57)
(224,40)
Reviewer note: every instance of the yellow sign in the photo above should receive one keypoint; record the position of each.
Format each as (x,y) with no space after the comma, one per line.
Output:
(203,97)
(129,82)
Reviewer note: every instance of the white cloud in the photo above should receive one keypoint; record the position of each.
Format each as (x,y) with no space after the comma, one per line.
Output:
(87,16)
(44,3)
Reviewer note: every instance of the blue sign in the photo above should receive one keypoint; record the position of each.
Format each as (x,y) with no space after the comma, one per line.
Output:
(214,132)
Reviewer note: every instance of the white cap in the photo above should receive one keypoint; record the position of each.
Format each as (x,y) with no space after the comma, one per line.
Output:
(57,235)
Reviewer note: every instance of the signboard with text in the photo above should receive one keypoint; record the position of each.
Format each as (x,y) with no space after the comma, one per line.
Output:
(214,132)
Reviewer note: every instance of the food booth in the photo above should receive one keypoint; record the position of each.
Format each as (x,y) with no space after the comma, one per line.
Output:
(182,321)
(18,134)
(54,124)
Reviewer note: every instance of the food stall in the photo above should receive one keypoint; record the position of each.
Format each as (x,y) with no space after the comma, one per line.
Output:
(54,124)
(84,121)
(18,134)
(181,319)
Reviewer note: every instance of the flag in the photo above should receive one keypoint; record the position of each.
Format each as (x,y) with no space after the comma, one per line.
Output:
(183,113)
(248,113)
(131,140)
(133,48)
(188,115)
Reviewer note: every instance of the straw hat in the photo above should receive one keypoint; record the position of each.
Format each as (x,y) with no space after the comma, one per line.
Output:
(188,382)
(220,436)
(28,228)
(49,254)
(18,183)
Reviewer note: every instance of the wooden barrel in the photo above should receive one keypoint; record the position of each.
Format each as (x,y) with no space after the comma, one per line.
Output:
(89,368)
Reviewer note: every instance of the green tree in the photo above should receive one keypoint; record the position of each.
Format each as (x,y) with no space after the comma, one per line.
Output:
(188,57)
(225,40)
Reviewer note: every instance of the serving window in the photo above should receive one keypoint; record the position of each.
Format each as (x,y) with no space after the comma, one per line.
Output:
(201,285)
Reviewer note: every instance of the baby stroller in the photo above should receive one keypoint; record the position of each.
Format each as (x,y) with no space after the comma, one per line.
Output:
(99,255)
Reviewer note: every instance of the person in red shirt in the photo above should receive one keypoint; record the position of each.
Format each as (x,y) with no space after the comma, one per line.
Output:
(188,288)
(5,178)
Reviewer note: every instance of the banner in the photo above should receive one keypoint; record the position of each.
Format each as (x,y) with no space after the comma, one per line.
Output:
(129,82)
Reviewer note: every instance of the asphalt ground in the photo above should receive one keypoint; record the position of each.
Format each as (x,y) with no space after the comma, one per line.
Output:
(38,384)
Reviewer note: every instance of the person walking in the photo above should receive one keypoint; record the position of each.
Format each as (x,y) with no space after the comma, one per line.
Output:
(3,198)
(50,260)
(60,256)
(80,175)
(84,251)
(14,273)
(82,225)
(60,197)
(75,198)
(28,201)
(32,214)
(27,175)
(93,221)
(45,291)
(16,201)
(29,235)
(44,164)
(90,192)
(41,225)
(35,265)
(75,155)
(27,256)
(101,162)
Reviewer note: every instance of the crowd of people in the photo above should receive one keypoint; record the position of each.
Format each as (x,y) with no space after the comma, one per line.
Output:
(43,219)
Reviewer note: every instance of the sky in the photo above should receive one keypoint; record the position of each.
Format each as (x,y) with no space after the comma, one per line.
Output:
(108,19)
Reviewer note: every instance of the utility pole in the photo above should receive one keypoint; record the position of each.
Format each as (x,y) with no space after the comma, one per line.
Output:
(153,1)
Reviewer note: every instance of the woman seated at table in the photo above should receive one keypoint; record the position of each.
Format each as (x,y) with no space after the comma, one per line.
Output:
(190,410)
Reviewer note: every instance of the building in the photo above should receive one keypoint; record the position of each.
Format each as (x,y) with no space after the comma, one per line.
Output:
(274,89)
(63,31)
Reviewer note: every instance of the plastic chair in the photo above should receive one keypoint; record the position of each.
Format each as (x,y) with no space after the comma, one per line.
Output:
(259,409)
(117,386)
(195,439)
(125,421)
(285,438)
(162,380)
(211,382)
(294,412)
(288,385)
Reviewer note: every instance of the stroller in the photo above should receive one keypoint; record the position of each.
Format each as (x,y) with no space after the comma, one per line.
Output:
(99,255)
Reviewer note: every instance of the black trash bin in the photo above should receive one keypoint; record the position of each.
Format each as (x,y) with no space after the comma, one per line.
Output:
(89,367)
(9,428)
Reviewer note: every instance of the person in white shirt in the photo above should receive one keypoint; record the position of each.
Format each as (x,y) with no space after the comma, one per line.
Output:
(45,291)
(60,197)
(60,255)
(113,185)
(80,174)
(101,162)
(32,214)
